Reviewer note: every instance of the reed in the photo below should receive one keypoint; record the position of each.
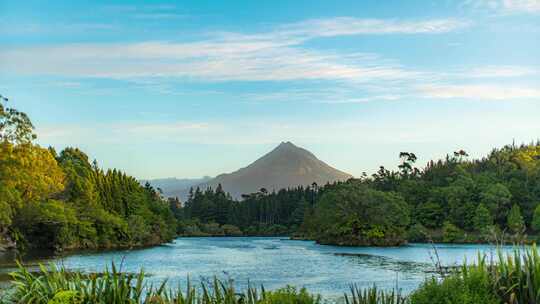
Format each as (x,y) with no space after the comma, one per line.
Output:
(374,296)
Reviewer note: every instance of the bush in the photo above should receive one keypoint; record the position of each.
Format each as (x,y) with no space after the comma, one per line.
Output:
(289,295)
(472,287)
(66,297)
(213,229)
(418,233)
(451,233)
(232,230)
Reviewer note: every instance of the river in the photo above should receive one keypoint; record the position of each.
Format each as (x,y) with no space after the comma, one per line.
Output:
(276,262)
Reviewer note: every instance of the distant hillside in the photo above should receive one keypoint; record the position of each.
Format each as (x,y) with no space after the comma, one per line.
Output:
(285,166)
(179,187)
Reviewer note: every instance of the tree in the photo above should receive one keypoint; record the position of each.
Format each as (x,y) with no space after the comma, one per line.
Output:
(497,199)
(354,214)
(15,126)
(430,214)
(515,220)
(451,233)
(482,218)
(536,219)
(407,161)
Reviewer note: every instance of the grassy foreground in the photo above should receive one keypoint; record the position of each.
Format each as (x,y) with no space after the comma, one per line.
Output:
(512,279)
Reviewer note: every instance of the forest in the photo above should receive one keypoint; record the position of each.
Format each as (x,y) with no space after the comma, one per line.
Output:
(454,200)
(63,201)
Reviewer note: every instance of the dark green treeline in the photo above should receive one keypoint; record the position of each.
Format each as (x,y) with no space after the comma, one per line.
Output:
(450,200)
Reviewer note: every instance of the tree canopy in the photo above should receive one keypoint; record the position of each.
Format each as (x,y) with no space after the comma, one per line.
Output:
(63,201)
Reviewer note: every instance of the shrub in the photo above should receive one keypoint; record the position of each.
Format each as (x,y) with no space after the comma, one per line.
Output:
(66,297)
(232,230)
(289,295)
(473,286)
(451,233)
(418,233)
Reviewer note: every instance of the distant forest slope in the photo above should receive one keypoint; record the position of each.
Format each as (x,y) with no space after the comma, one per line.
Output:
(63,201)
(175,187)
(450,200)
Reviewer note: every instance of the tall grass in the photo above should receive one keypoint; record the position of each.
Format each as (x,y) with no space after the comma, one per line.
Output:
(516,277)
(374,296)
(56,285)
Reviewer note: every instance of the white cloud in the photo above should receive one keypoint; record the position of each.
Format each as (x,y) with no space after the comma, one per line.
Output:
(482,92)
(361,100)
(507,6)
(529,6)
(501,71)
(209,61)
(276,55)
(355,26)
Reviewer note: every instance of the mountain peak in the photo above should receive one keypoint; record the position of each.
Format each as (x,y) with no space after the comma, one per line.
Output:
(286,145)
(285,166)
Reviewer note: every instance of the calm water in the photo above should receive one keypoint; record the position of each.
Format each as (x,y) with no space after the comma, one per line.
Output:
(277,262)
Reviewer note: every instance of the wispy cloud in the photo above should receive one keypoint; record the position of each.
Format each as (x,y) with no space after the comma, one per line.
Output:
(507,6)
(479,92)
(159,16)
(500,71)
(270,56)
(343,26)
(529,6)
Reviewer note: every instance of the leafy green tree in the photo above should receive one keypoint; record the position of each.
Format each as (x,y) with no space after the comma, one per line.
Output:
(15,126)
(355,214)
(482,218)
(515,220)
(430,214)
(536,219)
(496,197)
(451,233)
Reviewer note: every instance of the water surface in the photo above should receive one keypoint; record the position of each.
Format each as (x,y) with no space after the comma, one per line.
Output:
(277,262)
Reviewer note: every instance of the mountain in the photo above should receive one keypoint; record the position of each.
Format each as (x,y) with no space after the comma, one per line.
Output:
(176,186)
(285,166)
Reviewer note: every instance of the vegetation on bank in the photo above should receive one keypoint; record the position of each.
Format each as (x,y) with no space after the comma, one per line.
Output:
(511,279)
(64,201)
(454,200)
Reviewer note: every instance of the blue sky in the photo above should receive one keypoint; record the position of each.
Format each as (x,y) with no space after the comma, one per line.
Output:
(197,88)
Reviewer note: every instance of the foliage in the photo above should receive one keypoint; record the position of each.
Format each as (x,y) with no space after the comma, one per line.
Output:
(482,218)
(56,285)
(62,201)
(513,278)
(260,213)
(451,233)
(289,295)
(536,219)
(374,296)
(66,297)
(469,199)
(418,233)
(515,220)
(474,287)
(354,214)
